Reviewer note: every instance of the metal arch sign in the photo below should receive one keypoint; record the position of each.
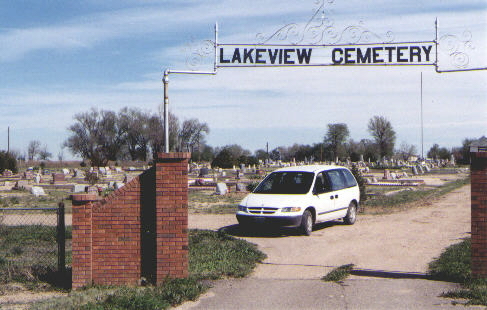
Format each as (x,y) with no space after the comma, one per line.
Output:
(379,54)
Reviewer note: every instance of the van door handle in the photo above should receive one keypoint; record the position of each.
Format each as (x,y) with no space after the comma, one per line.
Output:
(331,197)
(336,196)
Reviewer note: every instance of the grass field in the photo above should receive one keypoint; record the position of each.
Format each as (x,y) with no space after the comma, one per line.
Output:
(380,203)
(212,255)
(454,265)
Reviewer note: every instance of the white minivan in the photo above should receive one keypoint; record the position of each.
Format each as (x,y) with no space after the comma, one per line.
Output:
(300,197)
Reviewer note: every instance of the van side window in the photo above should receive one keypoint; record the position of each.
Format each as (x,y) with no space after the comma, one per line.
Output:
(322,185)
(318,189)
(337,180)
(349,178)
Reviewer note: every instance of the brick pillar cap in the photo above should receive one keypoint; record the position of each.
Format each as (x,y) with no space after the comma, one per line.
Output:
(85,198)
(175,155)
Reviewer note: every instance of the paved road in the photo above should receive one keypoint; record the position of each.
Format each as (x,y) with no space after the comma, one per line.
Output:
(398,246)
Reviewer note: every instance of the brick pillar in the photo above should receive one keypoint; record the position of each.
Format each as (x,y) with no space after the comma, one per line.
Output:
(478,168)
(171,215)
(82,235)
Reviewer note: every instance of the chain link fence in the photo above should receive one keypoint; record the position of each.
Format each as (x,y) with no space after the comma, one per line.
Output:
(32,244)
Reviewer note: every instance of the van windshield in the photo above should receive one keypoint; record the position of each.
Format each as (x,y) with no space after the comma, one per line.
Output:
(286,182)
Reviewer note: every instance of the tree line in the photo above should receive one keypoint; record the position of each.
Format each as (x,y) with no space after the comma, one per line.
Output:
(100,136)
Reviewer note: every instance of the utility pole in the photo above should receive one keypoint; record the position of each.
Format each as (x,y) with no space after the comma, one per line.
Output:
(422,142)
(8,139)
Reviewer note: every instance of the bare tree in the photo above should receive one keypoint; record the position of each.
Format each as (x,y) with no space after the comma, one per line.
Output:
(192,134)
(96,136)
(44,154)
(33,149)
(136,126)
(406,150)
(385,137)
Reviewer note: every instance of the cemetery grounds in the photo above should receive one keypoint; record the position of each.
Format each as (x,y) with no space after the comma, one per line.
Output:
(384,196)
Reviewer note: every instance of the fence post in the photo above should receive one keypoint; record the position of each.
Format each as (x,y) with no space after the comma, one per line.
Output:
(61,240)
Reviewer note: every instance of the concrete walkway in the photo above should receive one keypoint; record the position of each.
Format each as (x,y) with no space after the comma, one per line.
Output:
(354,293)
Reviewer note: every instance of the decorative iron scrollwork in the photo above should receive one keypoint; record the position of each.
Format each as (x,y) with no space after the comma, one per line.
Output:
(456,47)
(197,53)
(320,29)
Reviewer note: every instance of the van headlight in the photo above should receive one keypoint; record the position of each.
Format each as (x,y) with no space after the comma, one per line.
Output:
(291,209)
(242,208)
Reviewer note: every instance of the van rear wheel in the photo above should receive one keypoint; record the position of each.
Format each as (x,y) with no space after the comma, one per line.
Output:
(307,223)
(351,216)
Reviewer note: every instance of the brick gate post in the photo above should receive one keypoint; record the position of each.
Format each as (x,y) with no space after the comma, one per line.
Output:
(478,168)
(172,215)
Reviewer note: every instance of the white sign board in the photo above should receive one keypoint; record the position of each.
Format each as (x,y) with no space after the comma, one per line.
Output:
(246,55)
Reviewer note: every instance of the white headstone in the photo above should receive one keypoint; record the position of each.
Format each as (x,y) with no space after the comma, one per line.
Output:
(37,191)
(79,188)
(221,189)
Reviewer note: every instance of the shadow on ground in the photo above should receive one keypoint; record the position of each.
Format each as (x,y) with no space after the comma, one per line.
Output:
(269,231)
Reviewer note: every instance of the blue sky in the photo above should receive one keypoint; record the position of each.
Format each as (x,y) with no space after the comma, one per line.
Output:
(59,58)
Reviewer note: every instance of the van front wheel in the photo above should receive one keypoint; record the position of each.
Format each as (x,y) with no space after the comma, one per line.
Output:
(307,223)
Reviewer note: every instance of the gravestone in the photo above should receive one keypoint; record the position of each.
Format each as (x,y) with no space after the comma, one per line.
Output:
(7,173)
(79,188)
(414,170)
(37,191)
(22,184)
(92,190)
(420,169)
(387,175)
(221,189)
(28,175)
(37,178)
(58,178)
(65,171)
(241,187)
(119,185)
(204,172)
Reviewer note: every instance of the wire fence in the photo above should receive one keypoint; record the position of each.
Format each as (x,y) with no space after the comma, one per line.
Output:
(32,244)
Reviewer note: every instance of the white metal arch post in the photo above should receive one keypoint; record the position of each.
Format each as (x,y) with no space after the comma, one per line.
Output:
(165,81)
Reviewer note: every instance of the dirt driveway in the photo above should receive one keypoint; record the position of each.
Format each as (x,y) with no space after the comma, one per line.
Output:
(396,245)
(402,242)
